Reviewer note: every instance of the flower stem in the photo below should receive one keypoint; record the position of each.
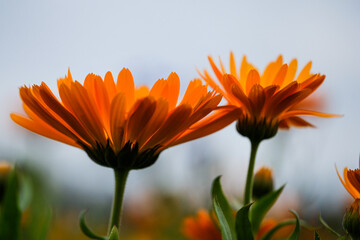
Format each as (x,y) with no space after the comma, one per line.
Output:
(250,173)
(120,181)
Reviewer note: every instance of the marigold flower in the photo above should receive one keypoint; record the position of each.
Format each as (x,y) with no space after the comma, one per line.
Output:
(351,181)
(117,124)
(268,101)
(201,227)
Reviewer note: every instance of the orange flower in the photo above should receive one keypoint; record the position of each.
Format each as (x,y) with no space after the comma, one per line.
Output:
(117,124)
(201,227)
(351,181)
(269,101)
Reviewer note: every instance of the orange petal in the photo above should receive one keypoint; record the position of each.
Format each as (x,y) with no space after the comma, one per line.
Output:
(299,122)
(215,69)
(117,120)
(84,111)
(270,72)
(173,89)
(305,73)
(280,76)
(154,123)
(99,98)
(257,99)
(209,125)
(252,79)
(194,92)
(288,102)
(141,92)
(290,75)
(63,113)
(233,66)
(351,189)
(294,112)
(176,122)
(139,117)
(43,129)
(125,84)
(110,86)
(241,97)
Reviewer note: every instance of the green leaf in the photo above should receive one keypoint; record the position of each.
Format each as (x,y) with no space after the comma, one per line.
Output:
(243,225)
(259,209)
(270,233)
(84,228)
(25,194)
(10,215)
(317,236)
(45,225)
(114,234)
(328,227)
(295,235)
(223,211)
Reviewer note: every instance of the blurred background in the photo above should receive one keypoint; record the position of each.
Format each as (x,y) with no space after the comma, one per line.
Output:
(40,40)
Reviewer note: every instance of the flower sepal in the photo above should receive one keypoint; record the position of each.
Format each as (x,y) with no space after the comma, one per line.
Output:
(256,129)
(128,158)
(351,221)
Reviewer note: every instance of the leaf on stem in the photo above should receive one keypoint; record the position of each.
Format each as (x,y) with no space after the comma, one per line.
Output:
(243,225)
(114,234)
(317,236)
(295,235)
(86,230)
(10,215)
(223,211)
(328,227)
(260,207)
(270,233)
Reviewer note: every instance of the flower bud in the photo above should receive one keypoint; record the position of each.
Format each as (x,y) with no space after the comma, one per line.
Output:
(5,169)
(263,183)
(351,221)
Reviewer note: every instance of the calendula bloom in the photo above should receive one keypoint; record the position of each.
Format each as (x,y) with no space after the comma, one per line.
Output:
(268,101)
(351,181)
(201,227)
(117,124)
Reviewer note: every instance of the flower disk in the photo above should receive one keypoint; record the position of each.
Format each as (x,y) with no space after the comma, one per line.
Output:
(118,125)
(268,101)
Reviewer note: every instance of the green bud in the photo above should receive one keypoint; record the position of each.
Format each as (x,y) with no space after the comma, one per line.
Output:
(5,169)
(263,183)
(351,221)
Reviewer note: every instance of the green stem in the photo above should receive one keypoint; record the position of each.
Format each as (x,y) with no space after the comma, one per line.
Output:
(250,173)
(120,181)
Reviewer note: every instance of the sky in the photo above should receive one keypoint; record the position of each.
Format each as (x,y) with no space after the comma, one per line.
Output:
(40,40)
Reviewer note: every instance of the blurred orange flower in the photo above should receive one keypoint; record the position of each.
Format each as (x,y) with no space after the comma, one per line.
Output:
(119,125)
(268,101)
(351,181)
(203,227)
